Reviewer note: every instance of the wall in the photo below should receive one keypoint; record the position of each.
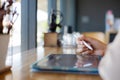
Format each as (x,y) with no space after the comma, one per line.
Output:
(68,8)
(28,24)
(91,14)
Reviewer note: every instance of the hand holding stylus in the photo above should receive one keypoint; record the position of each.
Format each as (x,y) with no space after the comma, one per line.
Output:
(77,35)
(89,45)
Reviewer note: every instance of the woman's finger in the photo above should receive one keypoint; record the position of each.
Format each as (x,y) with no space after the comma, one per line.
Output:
(82,50)
(81,46)
(87,52)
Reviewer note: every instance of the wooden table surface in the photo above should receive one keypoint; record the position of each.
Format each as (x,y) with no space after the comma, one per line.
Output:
(21,67)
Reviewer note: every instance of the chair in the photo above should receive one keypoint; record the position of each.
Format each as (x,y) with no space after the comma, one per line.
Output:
(110,36)
(97,35)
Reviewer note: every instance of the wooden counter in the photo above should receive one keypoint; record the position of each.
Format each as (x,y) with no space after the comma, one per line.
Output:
(22,61)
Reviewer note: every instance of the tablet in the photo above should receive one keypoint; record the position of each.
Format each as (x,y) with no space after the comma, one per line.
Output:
(68,63)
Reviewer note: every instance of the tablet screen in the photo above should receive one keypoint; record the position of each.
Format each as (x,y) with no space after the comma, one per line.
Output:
(69,62)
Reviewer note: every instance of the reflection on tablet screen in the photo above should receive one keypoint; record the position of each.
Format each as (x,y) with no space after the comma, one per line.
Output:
(69,61)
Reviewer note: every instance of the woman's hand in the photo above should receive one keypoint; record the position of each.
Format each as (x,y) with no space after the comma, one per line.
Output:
(98,46)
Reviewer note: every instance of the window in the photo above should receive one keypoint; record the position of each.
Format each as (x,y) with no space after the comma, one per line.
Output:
(42,18)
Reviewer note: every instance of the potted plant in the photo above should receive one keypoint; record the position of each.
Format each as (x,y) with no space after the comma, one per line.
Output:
(6,24)
(52,37)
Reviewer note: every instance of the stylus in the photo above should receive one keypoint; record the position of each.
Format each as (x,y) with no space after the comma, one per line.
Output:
(87,45)
(76,35)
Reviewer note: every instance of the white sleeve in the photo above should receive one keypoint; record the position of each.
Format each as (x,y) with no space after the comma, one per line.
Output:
(109,67)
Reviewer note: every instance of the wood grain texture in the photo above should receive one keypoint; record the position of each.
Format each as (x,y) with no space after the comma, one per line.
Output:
(21,67)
